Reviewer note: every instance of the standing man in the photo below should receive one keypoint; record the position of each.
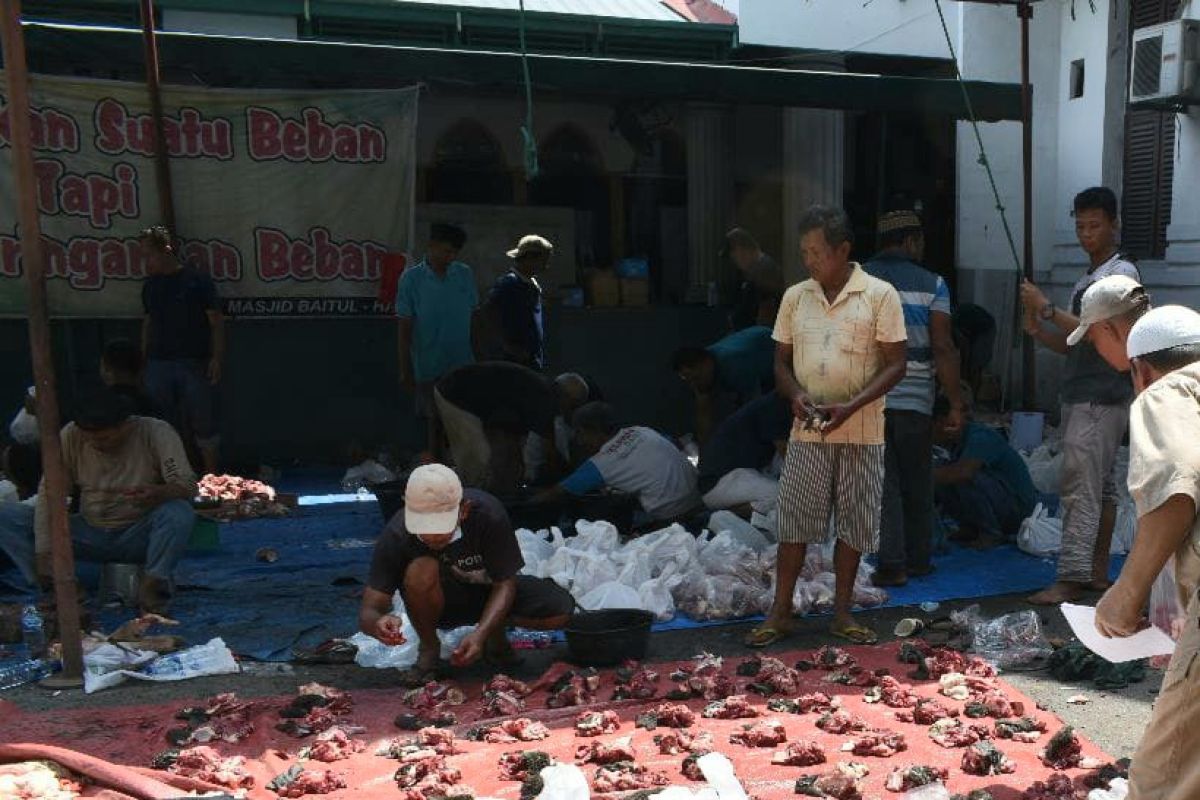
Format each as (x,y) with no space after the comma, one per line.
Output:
(435,303)
(1164,481)
(516,302)
(841,349)
(183,337)
(760,283)
(1095,409)
(906,532)
(454,558)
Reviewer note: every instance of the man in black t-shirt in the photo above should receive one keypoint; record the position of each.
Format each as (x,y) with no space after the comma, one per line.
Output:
(488,411)
(454,558)
(183,337)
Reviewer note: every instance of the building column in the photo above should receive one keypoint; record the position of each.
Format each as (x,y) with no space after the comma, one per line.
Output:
(1183,234)
(709,190)
(813,168)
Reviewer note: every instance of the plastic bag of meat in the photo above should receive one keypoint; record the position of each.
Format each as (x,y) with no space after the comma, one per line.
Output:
(878,743)
(984,759)
(834,785)
(733,707)
(768,733)
(597,723)
(626,776)
(904,779)
(1011,641)
(803,753)
(604,753)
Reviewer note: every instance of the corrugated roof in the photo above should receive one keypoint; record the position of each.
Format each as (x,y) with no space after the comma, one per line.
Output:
(624,9)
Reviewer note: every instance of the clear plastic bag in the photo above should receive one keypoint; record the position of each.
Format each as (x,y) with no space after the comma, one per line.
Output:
(591,570)
(743,532)
(536,549)
(1012,641)
(723,552)
(1040,534)
(564,782)
(657,596)
(611,595)
(1166,613)
(596,537)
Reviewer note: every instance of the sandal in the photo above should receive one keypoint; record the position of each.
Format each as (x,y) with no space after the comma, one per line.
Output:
(855,633)
(765,637)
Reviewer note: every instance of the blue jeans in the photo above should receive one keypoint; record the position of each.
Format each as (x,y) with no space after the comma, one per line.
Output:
(157,540)
(985,503)
(181,390)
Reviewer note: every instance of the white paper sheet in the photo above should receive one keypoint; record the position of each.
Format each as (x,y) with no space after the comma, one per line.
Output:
(1143,644)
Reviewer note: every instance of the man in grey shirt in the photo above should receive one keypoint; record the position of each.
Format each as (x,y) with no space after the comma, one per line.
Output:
(1095,410)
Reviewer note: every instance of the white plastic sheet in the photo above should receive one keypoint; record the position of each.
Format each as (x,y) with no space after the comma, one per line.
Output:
(109,665)
(564,782)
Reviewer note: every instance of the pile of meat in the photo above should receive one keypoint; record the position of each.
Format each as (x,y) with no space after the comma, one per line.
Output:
(804,704)
(605,753)
(520,765)
(206,764)
(834,785)
(951,733)
(597,723)
(240,498)
(504,697)
(334,745)
(878,743)
(705,679)
(574,689)
(35,779)
(771,676)
(510,731)
(984,759)
(298,781)
(769,733)
(667,715)
(800,754)
(679,742)
(1057,787)
(626,776)
(905,779)
(732,707)
(224,718)
(314,709)
(423,772)
(635,682)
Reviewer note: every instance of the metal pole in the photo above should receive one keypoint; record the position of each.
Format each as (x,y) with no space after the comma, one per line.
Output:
(1028,362)
(54,486)
(162,165)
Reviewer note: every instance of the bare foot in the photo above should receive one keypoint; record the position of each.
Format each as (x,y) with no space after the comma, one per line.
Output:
(1058,592)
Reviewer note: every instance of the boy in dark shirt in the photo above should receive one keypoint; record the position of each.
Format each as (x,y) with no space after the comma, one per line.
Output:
(454,558)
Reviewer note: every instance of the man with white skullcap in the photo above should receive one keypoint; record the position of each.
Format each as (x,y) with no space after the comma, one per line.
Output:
(454,558)
(1164,482)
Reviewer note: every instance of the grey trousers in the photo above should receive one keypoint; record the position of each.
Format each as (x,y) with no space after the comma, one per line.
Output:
(1091,437)
(906,528)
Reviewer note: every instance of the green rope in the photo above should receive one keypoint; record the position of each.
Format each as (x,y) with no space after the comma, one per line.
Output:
(530,144)
(983,159)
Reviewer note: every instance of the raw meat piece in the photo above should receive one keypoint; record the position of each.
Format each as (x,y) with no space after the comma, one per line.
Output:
(768,733)
(501,704)
(434,696)
(1063,750)
(705,679)
(691,769)
(905,779)
(914,651)
(1105,774)
(679,742)
(800,754)
(338,701)
(406,752)
(834,785)
(775,677)
(1057,787)
(944,661)
(503,683)
(831,658)
(334,745)
(993,703)
(853,769)
(951,733)
(315,721)
(574,689)
(427,770)
(36,780)
(978,794)
(297,782)
(734,707)
(511,730)
(225,704)
(626,776)
(984,759)
(597,723)
(895,694)
(667,715)
(519,765)
(840,722)
(635,682)
(926,712)
(853,676)
(439,740)
(205,764)
(816,701)
(601,753)
(879,743)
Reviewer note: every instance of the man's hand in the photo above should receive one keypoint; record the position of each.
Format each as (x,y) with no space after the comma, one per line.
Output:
(1032,298)
(802,407)
(214,371)
(1119,614)
(468,652)
(835,415)
(390,630)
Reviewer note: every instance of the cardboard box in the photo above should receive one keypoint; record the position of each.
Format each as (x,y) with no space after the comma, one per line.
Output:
(603,289)
(635,292)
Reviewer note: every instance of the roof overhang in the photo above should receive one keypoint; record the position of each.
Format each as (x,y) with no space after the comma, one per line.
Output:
(243,62)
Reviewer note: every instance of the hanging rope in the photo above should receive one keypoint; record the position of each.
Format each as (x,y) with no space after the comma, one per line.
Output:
(983,158)
(531,153)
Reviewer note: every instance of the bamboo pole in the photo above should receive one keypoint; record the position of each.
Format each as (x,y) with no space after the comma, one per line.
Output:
(162,165)
(54,487)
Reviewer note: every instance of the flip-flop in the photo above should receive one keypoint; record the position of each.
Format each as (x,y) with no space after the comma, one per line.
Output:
(765,637)
(856,634)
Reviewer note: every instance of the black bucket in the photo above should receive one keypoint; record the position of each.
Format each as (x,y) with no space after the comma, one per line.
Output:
(606,638)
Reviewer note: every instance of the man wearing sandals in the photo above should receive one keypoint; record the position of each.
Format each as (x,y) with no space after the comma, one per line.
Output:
(454,558)
(841,348)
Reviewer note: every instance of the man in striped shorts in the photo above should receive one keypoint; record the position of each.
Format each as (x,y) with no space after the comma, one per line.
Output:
(841,348)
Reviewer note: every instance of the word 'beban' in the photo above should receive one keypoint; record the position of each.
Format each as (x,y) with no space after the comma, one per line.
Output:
(311,138)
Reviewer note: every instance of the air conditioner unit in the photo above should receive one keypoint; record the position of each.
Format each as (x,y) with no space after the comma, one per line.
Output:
(1165,67)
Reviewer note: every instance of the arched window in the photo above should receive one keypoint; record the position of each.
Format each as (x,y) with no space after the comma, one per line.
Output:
(469,167)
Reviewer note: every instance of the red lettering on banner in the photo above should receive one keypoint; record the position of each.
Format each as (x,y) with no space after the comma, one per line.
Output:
(311,138)
(10,257)
(319,257)
(51,130)
(97,197)
(220,260)
(188,135)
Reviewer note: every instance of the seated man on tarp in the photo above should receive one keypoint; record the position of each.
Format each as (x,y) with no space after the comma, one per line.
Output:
(135,490)
(453,556)
(985,486)
(633,461)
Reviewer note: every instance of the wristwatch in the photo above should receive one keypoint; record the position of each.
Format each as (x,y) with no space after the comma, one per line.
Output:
(1047,312)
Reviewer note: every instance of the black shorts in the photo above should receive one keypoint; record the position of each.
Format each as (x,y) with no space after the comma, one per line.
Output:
(537,598)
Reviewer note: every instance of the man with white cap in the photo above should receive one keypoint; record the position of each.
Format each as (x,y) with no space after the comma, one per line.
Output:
(454,558)
(1164,481)
(1109,309)
(515,303)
